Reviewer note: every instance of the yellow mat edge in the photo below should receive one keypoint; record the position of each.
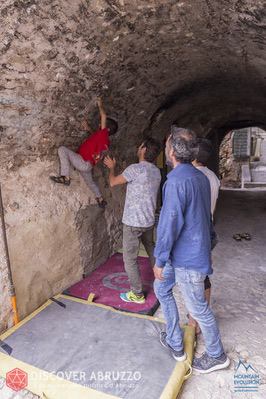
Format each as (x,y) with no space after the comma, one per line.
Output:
(181,369)
(170,391)
(83,301)
(25,320)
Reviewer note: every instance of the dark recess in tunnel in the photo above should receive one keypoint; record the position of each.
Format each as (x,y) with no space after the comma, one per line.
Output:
(217,135)
(218,104)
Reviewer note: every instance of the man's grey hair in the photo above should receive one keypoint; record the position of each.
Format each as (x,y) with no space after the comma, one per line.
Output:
(184,144)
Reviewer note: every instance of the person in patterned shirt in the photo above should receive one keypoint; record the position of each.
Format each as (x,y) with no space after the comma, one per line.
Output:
(143,182)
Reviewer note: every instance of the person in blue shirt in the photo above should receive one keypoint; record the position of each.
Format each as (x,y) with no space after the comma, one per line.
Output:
(183,251)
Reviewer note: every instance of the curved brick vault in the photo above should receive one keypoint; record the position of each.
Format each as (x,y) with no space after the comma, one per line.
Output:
(201,62)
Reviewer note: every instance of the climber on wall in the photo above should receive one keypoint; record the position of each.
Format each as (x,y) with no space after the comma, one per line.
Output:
(88,155)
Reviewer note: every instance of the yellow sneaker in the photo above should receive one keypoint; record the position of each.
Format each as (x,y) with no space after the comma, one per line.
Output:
(130,296)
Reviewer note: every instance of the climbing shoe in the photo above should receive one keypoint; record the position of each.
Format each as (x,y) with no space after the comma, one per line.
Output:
(132,297)
(61,180)
(101,203)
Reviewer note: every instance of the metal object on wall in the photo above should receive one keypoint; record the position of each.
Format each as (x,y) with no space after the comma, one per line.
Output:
(6,260)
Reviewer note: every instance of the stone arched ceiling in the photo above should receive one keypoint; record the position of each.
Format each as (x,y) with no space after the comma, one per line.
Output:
(201,63)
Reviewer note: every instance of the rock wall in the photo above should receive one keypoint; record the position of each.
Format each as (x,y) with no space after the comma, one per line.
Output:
(55,233)
(230,170)
(201,64)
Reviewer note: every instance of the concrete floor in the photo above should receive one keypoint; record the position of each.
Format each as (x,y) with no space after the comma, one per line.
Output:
(238,298)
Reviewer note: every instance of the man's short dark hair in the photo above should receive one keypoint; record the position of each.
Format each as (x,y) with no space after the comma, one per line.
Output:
(204,150)
(184,144)
(112,125)
(153,148)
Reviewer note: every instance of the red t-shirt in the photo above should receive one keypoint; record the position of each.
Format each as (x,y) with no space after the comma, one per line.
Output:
(92,148)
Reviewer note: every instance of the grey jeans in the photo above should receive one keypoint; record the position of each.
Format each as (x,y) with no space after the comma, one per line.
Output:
(132,236)
(68,158)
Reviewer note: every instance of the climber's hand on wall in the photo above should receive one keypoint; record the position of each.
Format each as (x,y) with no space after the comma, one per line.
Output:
(84,125)
(109,162)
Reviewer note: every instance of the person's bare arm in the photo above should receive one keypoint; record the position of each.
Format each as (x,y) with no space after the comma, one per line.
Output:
(113,180)
(103,115)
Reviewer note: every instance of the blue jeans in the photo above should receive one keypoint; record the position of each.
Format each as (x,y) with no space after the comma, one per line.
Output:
(191,284)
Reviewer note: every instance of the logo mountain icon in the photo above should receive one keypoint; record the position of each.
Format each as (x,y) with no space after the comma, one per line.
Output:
(245,366)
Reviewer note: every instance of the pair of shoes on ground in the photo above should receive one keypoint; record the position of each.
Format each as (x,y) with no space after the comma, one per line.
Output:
(240,236)
(204,364)
(130,296)
(66,182)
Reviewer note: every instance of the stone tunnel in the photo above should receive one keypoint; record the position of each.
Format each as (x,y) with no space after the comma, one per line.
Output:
(200,64)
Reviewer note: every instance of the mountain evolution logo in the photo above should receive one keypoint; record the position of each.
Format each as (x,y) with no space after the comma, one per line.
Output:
(246,377)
